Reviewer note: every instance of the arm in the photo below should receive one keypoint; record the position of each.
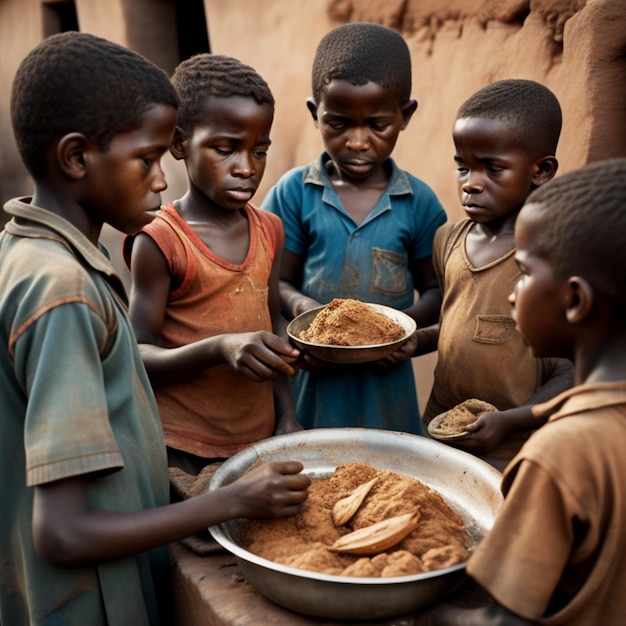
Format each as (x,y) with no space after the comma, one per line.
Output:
(425,312)
(67,532)
(292,300)
(428,306)
(491,428)
(258,355)
(285,410)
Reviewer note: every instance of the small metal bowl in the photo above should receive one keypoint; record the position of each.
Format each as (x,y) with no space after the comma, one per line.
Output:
(350,354)
(469,485)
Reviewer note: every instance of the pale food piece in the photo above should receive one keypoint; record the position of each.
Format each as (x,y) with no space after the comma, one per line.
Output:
(344,509)
(377,537)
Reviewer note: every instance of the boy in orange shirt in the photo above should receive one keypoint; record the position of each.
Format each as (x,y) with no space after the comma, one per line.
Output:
(204,298)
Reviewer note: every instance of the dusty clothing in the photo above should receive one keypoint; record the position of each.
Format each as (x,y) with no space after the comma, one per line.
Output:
(557,548)
(75,400)
(480,353)
(368,262)
(219,411)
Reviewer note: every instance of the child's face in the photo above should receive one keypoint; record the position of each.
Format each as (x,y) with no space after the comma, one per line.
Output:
(360,125)
(126,180)
(539,299)
(226,152)
(495,174)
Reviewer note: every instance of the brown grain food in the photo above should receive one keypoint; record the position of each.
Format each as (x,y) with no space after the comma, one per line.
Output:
(349,322)
(454,421)
(304,541)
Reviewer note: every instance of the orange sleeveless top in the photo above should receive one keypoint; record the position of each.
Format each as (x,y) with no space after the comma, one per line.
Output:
(219,411)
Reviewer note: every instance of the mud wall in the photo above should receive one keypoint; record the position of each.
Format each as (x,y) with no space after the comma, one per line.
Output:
(576,48)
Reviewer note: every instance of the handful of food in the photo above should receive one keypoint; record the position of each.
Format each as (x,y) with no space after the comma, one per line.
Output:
(453,423)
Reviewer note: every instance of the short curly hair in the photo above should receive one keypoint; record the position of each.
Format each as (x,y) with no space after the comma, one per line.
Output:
(360,52)
(584,230)
(531,109)
(218,75)
(78,82)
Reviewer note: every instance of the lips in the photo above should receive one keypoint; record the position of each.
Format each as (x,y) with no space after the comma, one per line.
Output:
(242,194)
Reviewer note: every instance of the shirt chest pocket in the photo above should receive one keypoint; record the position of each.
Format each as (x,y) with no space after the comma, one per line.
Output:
(494,329)
(388,271)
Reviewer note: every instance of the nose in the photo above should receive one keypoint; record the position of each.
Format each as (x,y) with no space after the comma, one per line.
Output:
(159,183)
(358,139)
(244,166)
(472,183)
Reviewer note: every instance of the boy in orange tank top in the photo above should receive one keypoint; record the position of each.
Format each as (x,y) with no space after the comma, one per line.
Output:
(204,297)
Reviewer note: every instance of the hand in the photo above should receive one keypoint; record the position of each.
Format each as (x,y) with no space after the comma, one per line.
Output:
(489,429)
(259,355)
(304,303)
(307,361)
(273,489)
(402,354)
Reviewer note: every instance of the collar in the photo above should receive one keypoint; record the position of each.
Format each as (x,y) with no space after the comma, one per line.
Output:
(37,223)
(399,184)
(582,398)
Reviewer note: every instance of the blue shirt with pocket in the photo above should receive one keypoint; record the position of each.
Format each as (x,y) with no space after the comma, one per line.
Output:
(368,262)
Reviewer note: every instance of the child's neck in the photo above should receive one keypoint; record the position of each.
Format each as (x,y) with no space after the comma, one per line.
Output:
(488,242)
(359,196)
(601,359)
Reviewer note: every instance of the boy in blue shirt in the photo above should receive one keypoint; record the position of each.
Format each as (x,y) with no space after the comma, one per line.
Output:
(357,226)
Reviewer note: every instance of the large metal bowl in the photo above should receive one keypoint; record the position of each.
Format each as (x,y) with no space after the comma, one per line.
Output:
(469,485)
(350,354)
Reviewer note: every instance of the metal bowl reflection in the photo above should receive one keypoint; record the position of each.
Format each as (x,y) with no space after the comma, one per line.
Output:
(350,354)
(469,485)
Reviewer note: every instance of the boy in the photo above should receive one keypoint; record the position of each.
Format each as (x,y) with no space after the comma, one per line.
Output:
(84,487)
(204,296)
(555,554)
(505,137)
(356,226)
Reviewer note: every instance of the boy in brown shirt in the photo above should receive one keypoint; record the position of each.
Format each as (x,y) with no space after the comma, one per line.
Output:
(555,554)
(505,139)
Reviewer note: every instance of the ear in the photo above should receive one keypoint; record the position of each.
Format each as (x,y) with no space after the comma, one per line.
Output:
(178,147)
(407,112)
(546,169)
(580,299)
(70,154)
(312,106)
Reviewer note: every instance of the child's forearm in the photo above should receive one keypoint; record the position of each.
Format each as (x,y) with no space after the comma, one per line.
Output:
(68,532)
(293,302)
(286,421)
(561,378)
(427,339)
(522,417)
(168,365)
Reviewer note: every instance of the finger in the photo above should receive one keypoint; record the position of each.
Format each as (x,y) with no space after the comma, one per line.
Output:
(288,467)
